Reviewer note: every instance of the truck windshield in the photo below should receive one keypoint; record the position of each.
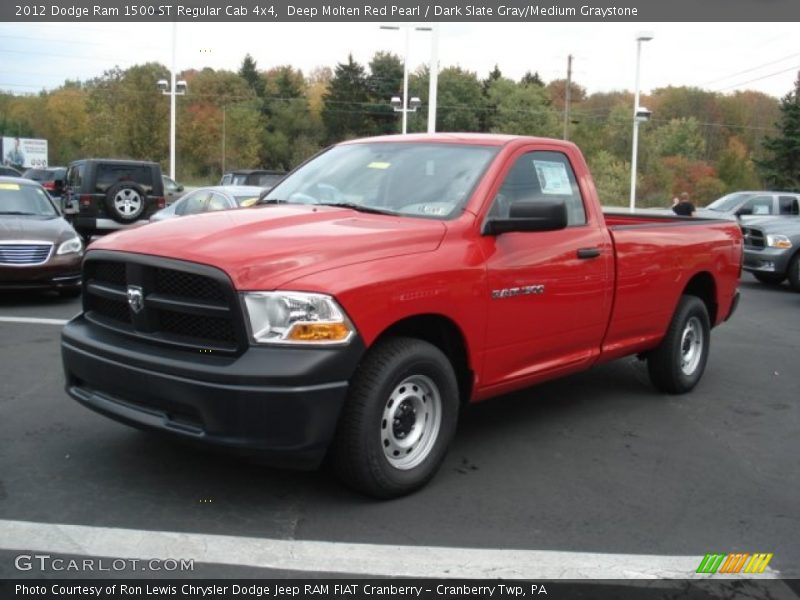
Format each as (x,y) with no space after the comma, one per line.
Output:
(415,179)
(729,202)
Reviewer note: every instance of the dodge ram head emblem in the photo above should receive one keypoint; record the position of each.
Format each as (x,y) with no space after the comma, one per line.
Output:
(135,298)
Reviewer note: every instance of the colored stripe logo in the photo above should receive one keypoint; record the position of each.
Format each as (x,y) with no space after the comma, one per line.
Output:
(736,562)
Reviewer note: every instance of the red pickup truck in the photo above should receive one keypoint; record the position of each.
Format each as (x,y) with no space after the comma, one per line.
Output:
(378,288)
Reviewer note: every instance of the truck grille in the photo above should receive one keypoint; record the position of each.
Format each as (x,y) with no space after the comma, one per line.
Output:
(25,253)
(753,238)
(164,301)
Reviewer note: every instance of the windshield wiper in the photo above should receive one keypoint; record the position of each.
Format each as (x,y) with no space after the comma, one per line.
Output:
(359,208)
(19,212)
(262,201)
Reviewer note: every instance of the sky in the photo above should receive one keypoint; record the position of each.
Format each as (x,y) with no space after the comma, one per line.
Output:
(722,57)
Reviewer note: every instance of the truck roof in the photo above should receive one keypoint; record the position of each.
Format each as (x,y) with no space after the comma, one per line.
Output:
(484,139)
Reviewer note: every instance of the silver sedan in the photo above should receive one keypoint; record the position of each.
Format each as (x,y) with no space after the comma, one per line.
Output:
(209,199)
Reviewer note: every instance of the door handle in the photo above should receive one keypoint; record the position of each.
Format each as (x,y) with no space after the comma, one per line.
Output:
(588,252)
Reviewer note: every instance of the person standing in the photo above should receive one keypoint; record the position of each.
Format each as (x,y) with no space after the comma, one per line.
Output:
(683,207)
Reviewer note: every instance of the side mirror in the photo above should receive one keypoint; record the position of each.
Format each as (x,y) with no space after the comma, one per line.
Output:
(542,215)
(744,211)
(179,188)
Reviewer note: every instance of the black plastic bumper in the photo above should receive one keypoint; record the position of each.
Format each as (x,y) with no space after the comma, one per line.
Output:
(276,403)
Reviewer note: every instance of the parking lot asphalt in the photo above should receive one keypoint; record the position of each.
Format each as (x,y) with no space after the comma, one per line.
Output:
(598,462)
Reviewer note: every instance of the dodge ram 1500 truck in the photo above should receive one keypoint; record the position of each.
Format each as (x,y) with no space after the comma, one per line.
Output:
(382,285)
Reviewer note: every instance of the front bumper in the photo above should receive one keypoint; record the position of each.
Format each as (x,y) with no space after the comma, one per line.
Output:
(276,403)
(60,272)
(767,260)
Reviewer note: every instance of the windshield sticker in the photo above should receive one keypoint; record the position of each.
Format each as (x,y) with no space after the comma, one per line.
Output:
(9,186)
(553,177)
(379,165)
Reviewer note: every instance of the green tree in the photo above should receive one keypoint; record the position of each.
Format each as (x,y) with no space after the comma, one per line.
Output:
(343,113)
(612,178)
(520,109)
(384,81)
(679,137)
(461,102)
(249,72)
(781,166)
(532,79)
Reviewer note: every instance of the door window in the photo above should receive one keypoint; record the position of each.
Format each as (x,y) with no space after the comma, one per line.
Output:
(759,205)
(217,202)
(192,204)
(787,205)
(537,176)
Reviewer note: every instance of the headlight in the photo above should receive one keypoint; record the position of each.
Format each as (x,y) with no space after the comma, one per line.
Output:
(296,318)
(71,246)
(778,241)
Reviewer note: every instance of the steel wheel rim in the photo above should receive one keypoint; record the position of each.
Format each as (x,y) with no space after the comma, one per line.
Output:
(410,422)
(692,343)
(127,202)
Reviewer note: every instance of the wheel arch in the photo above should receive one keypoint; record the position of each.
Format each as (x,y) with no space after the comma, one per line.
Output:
(444,333)
(703,286)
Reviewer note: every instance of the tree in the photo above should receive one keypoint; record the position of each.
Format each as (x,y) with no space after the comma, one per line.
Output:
(612,178)
(532,79)
(520,110)
(781,167)
(385,80)
(680,137)
(461,102)
(249,72)
(343,111)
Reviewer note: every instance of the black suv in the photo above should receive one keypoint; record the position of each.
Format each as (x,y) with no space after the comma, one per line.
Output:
(111,194)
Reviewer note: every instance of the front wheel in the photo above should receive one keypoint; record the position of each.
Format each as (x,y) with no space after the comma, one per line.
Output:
(399,419)
(678,363)
(794,273)
(769,278)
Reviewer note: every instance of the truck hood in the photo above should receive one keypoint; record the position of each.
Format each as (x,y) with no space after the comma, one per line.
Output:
(785,225)
(265,247)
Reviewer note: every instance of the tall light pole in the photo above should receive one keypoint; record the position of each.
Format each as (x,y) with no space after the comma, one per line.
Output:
(433,78)
(172,89)
(405,108)
(644,36)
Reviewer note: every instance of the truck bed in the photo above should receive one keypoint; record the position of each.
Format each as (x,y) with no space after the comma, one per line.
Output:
(656,256)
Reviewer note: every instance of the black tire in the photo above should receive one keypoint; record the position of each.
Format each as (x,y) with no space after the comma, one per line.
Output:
(368,453)
(678,363)
(125,202)
(69,292)
(769,278)
(794,273)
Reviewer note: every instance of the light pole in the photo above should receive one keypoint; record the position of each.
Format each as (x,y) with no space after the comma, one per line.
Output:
(638,114)
(405,101)
(172,89)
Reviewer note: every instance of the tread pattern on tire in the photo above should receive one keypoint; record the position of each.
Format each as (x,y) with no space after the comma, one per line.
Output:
(353,462)
(662,366)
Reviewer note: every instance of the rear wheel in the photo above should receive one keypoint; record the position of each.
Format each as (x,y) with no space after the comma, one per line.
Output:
(678,363)
(794,273)
(769,278)
(399,419)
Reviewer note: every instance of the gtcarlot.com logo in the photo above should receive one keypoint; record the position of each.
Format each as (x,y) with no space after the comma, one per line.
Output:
(736,562)
(47,562)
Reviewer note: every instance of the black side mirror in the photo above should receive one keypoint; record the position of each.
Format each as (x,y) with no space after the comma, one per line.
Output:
(179,188)
(744,211)
(541,215)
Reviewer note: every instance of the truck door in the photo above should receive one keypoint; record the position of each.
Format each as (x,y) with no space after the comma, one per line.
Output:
(550,291)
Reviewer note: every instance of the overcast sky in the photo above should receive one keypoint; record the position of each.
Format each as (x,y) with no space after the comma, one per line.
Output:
(716,56)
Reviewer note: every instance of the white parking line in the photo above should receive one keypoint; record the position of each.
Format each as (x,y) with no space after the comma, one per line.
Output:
(37,320)
(340,557)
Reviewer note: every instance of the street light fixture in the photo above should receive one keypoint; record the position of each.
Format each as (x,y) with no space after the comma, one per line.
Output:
(405,105)
(639,114)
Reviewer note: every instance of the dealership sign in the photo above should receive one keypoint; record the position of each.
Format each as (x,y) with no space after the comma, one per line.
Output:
(24,152)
